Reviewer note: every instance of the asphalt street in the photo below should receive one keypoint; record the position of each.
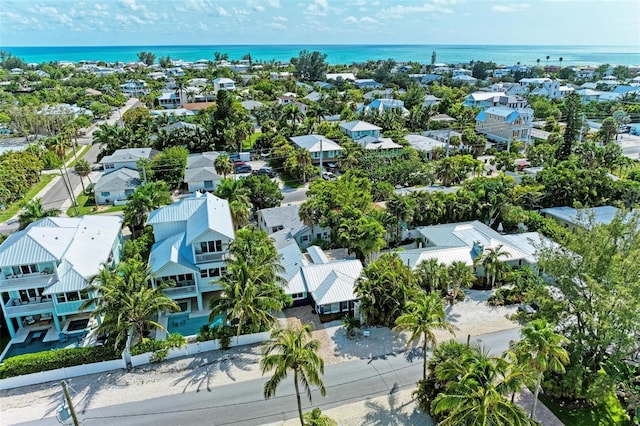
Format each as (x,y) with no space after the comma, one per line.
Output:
(243,403)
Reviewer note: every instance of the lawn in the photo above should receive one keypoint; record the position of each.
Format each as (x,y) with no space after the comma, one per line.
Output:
(606,413)
(250,141)
(87,205)
(14,208)
(81,150)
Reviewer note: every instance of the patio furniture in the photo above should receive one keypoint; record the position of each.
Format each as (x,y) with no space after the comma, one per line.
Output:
(365,333)
(46,316)
(29,320)
(63,337)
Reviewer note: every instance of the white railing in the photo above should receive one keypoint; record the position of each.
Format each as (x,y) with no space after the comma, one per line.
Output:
(179,290)
(14,282)
(28,308)
(211,257)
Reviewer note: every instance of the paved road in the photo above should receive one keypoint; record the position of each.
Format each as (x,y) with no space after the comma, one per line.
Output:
(243,403)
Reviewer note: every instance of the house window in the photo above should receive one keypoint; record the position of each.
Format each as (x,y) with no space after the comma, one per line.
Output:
(72,296)
(105,194)
(344,306)
(28,269)
(304,238)
(211,246)
(109,166)
(297,296)
(60,298)
(210,273)
(181,278)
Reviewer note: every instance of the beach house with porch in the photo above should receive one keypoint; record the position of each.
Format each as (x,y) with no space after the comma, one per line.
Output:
(192,244)
(47,268)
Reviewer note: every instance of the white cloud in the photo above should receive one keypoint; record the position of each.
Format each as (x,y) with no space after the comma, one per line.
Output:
(510,8)
(318,8)
(363,20)
(274,3)
(368,20)
(350,20)
(255,5)
(131,4)
(202,26)
(277,26)
(280,18)
(400,11)
(222,11)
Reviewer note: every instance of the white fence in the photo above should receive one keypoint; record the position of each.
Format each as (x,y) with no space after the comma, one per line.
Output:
(60,374)
(116,364)
(199,347)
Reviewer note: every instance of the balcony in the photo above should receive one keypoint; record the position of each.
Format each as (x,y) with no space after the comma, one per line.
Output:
(186,287)
(28,308)
(22,282)
(211,257)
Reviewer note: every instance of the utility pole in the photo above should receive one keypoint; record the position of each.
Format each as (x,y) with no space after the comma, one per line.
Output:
(448,140)
(67,185)
(67,398)
(321,154)
(581,128)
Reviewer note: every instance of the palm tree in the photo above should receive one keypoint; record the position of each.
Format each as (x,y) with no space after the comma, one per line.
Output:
(542,350)
(491,262)
(291,351)
(431,275)
(238,198)
(538,62)
(548,60)
(422,316)
(223,165)
(34,211)
(561,58)
(461,275)
(252,287)
(475,392)
(303,159)
(126,302)
(83,169)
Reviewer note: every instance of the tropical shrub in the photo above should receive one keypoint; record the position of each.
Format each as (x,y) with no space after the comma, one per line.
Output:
(160,348)
(51,360)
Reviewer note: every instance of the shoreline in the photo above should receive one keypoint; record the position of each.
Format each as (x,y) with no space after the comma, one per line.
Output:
(346,54)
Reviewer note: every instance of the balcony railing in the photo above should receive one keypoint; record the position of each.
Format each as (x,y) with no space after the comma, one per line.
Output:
(211,257)
(15,282)
(28,308)
(184,289)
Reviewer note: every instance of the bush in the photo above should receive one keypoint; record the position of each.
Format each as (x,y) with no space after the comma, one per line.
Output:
(51,360)
(160,348)
(506,296)
(223,334)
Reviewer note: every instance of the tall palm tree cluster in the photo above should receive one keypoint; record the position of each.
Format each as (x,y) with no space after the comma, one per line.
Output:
(466,385)
(125,302)
(252,291)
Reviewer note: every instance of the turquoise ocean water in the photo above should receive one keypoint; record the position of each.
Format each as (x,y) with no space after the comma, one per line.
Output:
(347,54)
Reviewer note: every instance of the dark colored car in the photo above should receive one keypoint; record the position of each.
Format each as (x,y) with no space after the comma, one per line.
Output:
(243,168)
(268,171)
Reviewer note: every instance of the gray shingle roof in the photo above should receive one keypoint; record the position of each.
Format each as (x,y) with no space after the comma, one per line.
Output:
(118,180)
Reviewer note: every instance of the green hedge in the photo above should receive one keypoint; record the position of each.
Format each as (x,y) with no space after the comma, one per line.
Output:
(51,360)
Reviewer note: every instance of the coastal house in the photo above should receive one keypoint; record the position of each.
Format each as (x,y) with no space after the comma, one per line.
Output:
(127,157)
(358,129)
(503,124)
(466,241)
(367,83)
(192,238)
(464,79)
(481,99)
(200,173)
(382,105)
(222,83)
(134,88)
(425,144)
(337,76)
(292,260)
(46,271)
(169,100)
(382,146)
(276,219)
(318,146)
(114,188)
(571,218)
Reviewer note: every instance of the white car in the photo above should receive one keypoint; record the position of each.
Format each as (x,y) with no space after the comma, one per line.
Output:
(328,176)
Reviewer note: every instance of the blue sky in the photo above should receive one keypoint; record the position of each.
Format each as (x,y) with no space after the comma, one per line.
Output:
(220,22)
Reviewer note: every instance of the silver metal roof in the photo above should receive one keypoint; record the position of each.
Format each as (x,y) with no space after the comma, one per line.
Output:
(118,180)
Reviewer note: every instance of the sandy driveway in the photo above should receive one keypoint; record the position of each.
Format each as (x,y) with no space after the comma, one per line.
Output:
(217,368)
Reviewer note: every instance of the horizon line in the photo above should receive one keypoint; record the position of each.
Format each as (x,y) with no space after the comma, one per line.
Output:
(322,44)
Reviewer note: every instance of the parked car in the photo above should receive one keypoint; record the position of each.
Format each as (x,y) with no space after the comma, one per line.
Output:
(328,176)
(265,171)
(243,167)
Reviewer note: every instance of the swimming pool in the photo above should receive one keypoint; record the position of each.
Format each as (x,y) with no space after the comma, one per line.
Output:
(34,343)
(77,325)
(181,323)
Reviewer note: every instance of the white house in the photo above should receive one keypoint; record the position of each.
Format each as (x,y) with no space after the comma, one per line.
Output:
(340,76)
(425,144)
(287,218)
(572,218)
(134,88)
(115,187)
(222,83)
(200,173)
(192,243)
(127,157)
(381,105)
(46,270)
(466,241)
(318,146)
(384,146)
